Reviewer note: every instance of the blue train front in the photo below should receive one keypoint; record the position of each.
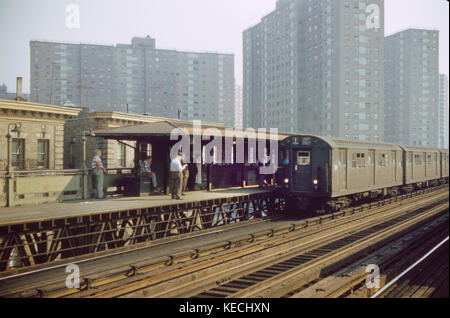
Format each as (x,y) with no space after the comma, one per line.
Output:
(332,173)
(304,162)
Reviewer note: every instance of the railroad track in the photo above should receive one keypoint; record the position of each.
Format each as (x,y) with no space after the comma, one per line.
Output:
(278,278)
(390,259)
(428,277)
(249,265)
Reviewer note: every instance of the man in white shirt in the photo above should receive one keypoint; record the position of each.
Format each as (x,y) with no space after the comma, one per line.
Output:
(98,170)
(176,176)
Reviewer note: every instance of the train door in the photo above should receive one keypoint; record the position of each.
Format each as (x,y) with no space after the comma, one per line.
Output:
(411,166)
(342,169)
(302,170)
(394,163)
(371,167)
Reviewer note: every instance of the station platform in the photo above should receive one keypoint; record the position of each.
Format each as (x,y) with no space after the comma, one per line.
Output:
(39,235)
(64,210)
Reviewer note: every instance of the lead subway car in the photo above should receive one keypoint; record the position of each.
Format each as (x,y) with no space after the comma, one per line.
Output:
(330,173)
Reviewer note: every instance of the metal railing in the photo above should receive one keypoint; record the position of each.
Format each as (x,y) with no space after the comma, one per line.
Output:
(22,187)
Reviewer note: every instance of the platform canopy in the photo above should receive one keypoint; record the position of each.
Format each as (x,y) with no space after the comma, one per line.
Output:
(165,128)
(157,137)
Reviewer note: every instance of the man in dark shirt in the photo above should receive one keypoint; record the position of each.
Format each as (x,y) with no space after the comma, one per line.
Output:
(146,171)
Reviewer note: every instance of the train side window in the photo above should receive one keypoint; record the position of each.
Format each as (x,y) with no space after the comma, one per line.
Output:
(429,159)
(362,160)
(384,160)
(359,160)
(303,158)
(417,160)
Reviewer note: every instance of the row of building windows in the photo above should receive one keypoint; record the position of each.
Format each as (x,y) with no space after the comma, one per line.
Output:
(18,153)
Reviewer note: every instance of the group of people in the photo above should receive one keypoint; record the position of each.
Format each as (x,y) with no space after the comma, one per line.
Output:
(179,175)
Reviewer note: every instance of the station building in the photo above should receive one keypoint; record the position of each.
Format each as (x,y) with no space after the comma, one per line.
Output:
(115,154)
(37,134)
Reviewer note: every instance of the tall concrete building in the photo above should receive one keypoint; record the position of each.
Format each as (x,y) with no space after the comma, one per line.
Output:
(238,111)
(135,77)
(317,67)
(412,87)
(443,111)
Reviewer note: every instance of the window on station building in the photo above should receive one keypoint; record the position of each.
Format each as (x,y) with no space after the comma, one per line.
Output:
(121,155)
(18,153)
(43,153)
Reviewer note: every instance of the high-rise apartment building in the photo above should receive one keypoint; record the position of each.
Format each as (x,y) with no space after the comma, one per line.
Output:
(412,87)
(135,77)
(443,111)
(238,112)
(316,66)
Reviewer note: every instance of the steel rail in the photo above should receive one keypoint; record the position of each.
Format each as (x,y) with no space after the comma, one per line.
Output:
(253,261)
(263,290)
(385,287)
(399,253)
(251,238)
(241,253)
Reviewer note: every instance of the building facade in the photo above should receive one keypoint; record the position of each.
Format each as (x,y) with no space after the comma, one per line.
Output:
(443,111)
(37,134)
(238,111)
(412,87)
(137,78)
(115,155)
(317,67)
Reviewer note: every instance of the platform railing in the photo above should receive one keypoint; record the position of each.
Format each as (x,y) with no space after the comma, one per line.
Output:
(51,240)
(31,187)
(26,187)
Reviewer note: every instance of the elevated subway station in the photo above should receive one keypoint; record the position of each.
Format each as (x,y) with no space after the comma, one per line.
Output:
(34,235)
(155,139)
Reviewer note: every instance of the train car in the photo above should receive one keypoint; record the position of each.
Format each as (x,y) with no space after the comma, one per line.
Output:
(444,153)
(423,166)
(334,172)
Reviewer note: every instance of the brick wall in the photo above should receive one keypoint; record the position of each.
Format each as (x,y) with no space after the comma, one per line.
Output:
(31,131)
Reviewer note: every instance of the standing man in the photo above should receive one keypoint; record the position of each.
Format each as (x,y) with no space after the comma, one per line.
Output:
(176,176)
(185,177)
(98,170)
(146,171)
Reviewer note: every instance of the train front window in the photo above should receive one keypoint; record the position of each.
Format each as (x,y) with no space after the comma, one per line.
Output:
(284,156)
(303,158)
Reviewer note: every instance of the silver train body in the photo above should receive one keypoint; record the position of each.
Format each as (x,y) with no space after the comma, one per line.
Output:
(335,172)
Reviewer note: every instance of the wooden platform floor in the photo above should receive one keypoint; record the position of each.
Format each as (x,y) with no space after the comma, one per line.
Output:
(50,211)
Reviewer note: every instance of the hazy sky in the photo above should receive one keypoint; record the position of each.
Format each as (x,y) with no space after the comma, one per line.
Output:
(193,25)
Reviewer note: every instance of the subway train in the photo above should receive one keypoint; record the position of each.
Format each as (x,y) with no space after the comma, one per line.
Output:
(331,173)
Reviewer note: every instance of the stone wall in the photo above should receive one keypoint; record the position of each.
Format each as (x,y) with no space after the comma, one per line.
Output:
(73,143)
(31,131)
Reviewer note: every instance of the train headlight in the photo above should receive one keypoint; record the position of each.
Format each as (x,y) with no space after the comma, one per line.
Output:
(286,180)
(315,182)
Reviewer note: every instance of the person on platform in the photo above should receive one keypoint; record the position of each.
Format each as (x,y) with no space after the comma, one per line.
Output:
(98,171)
(185,177)
(176,176)
(146,171)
